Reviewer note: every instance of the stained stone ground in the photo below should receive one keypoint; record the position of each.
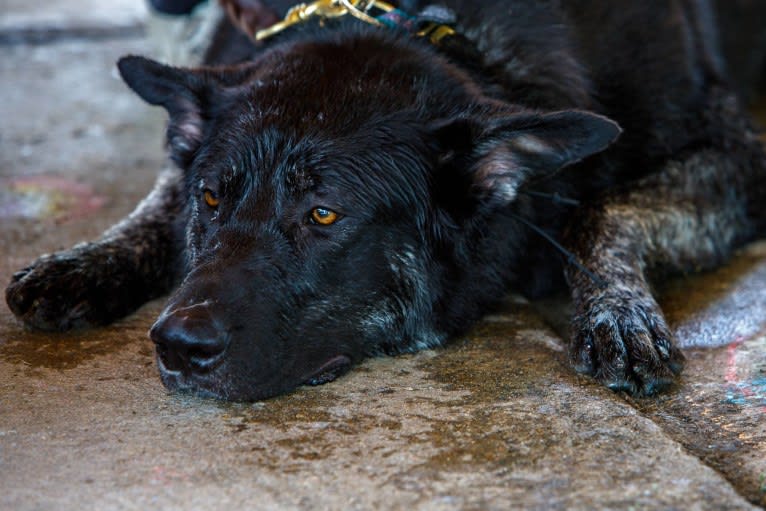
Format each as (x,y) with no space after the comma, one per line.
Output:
(496,420)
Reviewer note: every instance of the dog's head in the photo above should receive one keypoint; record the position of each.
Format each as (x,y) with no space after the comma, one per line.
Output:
(336,191)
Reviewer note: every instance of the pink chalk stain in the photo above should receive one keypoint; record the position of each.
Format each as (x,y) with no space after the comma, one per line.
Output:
(47,197)
(731,362)
(165,476)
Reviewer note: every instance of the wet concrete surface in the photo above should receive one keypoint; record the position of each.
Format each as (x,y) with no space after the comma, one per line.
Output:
(496,420)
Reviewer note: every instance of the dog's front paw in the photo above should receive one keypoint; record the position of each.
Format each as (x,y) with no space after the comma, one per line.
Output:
(625,344)
(65,290)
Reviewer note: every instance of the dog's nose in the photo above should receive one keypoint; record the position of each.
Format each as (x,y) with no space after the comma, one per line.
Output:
(187,340)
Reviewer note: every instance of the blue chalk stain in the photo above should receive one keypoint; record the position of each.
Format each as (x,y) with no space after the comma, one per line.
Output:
(748,393)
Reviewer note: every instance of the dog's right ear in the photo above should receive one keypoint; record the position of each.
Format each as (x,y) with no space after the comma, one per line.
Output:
(182,92)
(503,149)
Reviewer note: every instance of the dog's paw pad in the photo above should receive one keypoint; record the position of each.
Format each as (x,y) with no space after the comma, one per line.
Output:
(626,347)
(54,293)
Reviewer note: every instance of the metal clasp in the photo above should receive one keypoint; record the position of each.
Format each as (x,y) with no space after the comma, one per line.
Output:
(326,9)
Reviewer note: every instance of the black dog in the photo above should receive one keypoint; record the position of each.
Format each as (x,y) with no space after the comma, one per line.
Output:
(355,189)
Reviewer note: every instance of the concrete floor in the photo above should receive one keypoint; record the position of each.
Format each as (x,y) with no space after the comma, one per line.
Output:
(495,421)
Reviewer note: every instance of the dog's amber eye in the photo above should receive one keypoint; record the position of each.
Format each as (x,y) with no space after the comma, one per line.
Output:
(323,216)
(210,199)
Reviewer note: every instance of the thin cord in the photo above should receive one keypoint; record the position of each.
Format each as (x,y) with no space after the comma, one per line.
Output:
(555,197)
(571,259)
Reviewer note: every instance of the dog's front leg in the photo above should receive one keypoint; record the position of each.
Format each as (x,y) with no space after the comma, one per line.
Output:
(98,282)
(686,217)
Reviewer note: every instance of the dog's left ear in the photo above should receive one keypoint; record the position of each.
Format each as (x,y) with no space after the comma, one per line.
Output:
(502,152)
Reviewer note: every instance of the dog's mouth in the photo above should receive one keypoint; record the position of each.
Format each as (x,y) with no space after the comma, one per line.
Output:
(212,384)
(330,370)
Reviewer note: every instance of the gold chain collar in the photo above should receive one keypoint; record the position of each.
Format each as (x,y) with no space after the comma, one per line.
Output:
(326,9)
(360,9)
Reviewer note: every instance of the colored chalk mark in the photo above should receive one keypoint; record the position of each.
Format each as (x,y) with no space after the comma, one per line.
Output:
(743,391)
(47,198)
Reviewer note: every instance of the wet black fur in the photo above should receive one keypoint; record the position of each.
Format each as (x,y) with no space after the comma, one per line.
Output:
(436,164)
